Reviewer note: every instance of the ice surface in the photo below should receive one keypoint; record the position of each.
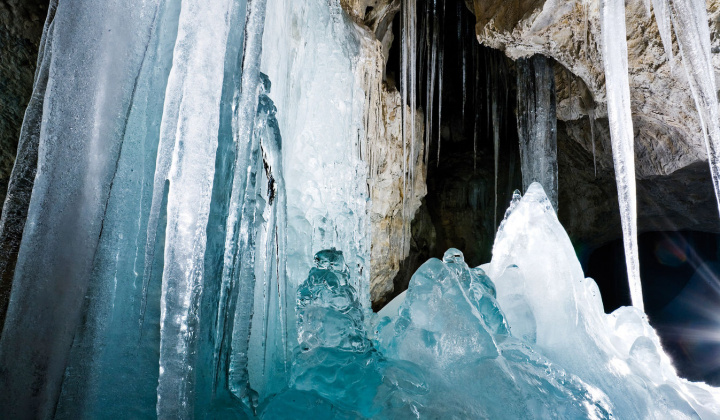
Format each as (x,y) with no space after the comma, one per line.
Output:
(617,84)
(537,124)
(177,201)
(84,110)
(534,258)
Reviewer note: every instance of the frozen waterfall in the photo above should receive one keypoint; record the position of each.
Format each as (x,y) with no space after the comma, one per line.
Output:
(188,228)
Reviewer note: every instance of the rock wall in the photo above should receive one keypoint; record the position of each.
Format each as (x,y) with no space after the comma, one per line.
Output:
(396,180)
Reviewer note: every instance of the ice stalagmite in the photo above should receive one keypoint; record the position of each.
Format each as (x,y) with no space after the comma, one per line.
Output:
(537,124)
(537,273)
(621,134)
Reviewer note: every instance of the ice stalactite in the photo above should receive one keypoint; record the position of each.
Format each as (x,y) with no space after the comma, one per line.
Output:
(537,124)
(238,280)
(591,117)
(621,134)
(496,111)
(202,36)
(16,204)
(320,94)
(441,62)
(432,64)
(662,17)
(690,21)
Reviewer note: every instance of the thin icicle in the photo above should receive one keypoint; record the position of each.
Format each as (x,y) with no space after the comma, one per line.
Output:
(404,119)
(441,60)
(662,17)
(496,135)
(476,125)
(462,44)
(621,134)
(591,117)
(431,85)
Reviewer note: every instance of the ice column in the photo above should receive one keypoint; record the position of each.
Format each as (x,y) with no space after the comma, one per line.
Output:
(621,134)
(537,124)
(85,107)
(195,83)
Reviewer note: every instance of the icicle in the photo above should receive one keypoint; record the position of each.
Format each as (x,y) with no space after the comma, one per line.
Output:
(463,64)
(621,134)
(412,50)
(476,125)
(235,306)
(19,192)
(441,61)
(76,161)
(496,134)
(648,7)
(591,117)
(537,122)
(690,21)
(404,120)
(431,84)
(662,17)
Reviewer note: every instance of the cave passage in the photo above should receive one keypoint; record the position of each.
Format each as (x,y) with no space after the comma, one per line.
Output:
(461,209)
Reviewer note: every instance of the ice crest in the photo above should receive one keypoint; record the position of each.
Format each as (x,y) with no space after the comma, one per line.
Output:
(539,278)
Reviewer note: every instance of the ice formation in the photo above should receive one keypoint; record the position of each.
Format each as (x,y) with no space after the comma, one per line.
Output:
(537,124)
(180,163)
(617,85)
(509,342)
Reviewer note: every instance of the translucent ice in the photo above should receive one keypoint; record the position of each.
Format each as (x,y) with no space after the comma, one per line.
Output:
(615,60)
(537,124)
(533,258)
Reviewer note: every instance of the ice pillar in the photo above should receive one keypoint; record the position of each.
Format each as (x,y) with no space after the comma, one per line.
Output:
(537,124)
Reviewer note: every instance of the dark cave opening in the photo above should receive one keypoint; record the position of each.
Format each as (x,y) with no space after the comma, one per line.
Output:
(460,209)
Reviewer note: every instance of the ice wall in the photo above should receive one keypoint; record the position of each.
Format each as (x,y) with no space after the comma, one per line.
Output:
(537,124)
(319,62)
(86,103)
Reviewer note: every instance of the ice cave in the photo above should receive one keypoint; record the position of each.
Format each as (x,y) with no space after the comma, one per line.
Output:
(360,209)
